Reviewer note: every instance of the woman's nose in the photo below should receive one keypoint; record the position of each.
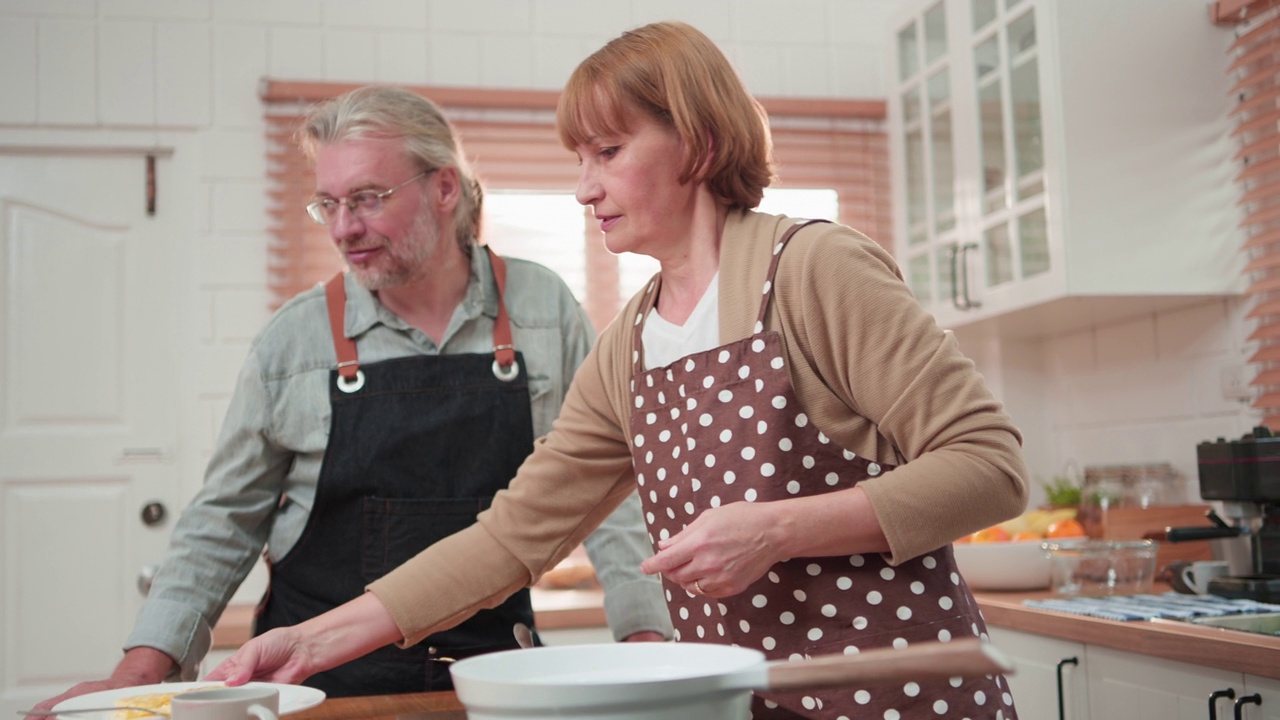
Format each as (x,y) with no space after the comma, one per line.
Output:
(588,191)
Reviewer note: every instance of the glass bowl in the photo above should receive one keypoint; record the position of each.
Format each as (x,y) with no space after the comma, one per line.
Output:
(1094,568)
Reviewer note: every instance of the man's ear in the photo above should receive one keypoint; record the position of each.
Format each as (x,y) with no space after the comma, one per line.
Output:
(447,190)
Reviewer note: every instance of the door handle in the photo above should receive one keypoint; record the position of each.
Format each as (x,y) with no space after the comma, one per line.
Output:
(1218,695)
(1062,707)
(153,513)
(969,303)
(955,279)
(145,576)
(1254,699)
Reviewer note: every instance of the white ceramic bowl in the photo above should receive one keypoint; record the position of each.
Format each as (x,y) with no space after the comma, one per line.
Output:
(1022,565)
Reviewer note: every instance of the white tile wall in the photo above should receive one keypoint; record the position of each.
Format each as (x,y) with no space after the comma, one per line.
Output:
(386,14)
(66,81)
(401,57)
(155,9)
(348,54)
(294,52)
(268,12)
(18,85)
(1143,391)
(126,72)
(184,75)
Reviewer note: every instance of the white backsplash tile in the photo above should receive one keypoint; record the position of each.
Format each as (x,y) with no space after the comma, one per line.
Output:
(126,72)
(184,74)
(67,83)
(18,71)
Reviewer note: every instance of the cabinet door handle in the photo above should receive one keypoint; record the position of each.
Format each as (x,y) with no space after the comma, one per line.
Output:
(956,253)
(969,303)
(1217,695)
(1062,707)
(1254,699)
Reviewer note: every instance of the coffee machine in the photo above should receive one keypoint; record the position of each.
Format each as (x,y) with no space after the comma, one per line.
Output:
(1244,476)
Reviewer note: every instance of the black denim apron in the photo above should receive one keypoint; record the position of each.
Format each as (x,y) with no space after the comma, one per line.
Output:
(417,447)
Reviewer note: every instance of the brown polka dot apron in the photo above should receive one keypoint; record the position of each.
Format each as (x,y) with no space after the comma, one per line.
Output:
(724,426)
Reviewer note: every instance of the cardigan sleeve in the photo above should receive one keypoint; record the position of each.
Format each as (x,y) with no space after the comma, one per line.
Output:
(898,375)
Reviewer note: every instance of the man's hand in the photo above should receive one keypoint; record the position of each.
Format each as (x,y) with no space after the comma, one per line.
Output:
(140,666)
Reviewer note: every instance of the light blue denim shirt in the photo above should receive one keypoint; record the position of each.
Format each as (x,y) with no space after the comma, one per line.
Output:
(261,480)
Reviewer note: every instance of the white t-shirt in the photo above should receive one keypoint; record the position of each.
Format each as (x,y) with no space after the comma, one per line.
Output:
(666,342)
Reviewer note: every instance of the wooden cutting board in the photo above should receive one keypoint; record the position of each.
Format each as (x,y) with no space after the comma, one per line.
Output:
(1134,523)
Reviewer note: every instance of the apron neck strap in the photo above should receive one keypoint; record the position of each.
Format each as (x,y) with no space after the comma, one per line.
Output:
(504,351)
(335,297)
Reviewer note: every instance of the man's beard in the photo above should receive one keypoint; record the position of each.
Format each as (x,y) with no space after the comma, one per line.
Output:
(404,262)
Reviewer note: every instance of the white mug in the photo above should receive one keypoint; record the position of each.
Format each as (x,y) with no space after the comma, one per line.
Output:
(1198,574)
(231,703)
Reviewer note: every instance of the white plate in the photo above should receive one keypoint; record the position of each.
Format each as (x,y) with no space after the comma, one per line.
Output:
(293,698)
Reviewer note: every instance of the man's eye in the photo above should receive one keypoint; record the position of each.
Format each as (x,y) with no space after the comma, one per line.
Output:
(328,205)
(366,199)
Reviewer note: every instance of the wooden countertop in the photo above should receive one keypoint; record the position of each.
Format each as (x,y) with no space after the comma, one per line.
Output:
(1231,650)
(413,706)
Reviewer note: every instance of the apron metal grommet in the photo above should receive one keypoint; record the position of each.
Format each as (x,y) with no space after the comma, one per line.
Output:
(350,386)
(506,374)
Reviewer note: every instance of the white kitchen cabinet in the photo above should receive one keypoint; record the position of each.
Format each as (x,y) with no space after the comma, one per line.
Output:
(1109,683)
(1129,685)
(1061,162)
(1268,691)
(1034,682)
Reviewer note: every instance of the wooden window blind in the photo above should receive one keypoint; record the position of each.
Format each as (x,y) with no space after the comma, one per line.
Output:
(1255,94)
(510,138)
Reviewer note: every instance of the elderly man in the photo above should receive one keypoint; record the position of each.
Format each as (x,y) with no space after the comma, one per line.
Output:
(381,413)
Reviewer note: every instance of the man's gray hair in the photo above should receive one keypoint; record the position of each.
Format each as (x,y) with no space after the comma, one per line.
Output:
(378,111)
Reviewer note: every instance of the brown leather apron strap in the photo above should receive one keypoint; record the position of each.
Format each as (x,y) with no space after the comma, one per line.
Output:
(350,377)
(335,295)
(504,352)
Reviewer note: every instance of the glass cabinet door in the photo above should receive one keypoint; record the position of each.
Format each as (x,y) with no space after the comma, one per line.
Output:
(928,152)
(1009,139)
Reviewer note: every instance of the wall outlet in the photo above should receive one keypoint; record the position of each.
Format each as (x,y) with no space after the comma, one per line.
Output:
(1235,383)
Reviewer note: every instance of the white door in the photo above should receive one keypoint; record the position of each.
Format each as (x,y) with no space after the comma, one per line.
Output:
(88,409)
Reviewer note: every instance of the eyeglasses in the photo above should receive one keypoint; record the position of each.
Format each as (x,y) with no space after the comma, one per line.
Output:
(365,203)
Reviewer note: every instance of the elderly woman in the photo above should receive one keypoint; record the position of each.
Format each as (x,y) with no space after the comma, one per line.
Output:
(806,441)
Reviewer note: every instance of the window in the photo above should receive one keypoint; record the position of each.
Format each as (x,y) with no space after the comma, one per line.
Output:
(838,146)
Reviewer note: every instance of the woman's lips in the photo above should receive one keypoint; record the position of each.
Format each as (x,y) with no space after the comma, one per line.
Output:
(607,222)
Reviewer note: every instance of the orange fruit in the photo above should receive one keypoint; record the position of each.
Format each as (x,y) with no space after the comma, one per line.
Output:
(1068,528)
(1026,535)
(995,533)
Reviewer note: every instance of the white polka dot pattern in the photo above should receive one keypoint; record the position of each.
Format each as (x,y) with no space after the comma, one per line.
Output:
(750,442)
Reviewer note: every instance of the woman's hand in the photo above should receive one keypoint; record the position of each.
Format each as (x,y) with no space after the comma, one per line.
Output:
(727,548)
(278,655)
(722,551)
(292,654)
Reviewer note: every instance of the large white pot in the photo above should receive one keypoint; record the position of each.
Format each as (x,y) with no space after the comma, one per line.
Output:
(660,681)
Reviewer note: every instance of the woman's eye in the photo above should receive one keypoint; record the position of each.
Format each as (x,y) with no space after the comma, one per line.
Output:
(608,152)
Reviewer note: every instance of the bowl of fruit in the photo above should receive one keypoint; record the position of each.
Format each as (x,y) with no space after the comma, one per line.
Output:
(1012,555)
